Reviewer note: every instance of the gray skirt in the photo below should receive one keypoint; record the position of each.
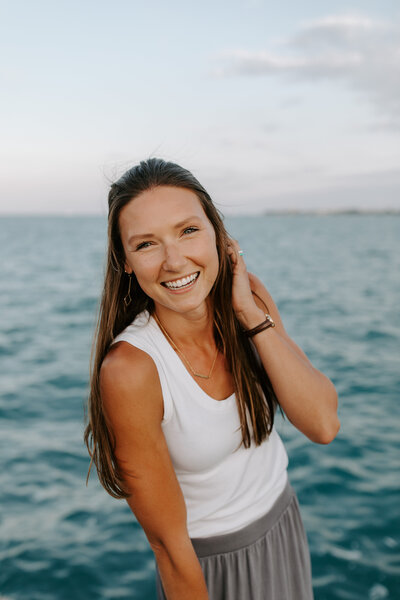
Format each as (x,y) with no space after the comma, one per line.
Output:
(266,560)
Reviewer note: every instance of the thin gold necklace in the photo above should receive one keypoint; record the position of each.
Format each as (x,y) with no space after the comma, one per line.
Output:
(171,341)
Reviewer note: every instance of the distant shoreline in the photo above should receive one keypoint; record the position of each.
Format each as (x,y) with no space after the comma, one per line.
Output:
(268,212)
(329,212)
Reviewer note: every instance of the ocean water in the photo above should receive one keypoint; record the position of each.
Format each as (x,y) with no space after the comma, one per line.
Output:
(336,282)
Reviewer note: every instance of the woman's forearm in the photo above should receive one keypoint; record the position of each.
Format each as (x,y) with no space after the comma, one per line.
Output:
(308,398)
(181,574)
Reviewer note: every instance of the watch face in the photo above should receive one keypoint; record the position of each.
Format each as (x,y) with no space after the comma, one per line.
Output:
(270,319)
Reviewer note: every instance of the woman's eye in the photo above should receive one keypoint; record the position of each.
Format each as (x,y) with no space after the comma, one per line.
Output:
(186,231)
(143,245)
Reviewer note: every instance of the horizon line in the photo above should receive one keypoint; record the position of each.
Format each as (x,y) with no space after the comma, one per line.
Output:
(288,211)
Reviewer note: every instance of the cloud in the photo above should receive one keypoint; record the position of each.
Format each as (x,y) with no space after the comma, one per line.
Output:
(354,49)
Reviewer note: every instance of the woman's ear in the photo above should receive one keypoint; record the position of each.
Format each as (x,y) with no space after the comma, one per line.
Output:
(127,268)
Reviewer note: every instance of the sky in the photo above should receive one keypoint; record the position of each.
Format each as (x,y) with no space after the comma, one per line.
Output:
(272,106)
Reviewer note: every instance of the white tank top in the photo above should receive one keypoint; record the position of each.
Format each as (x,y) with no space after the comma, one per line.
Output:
(224,488)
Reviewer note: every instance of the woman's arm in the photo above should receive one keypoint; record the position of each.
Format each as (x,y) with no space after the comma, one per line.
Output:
(132,400)
(307,396)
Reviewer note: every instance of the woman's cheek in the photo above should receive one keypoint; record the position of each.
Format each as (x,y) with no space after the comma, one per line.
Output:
(148,264)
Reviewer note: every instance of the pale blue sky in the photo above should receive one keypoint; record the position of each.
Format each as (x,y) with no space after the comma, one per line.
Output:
(271,106)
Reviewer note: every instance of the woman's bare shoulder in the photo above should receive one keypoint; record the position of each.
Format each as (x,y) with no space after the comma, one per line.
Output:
(129,376)
(122,355)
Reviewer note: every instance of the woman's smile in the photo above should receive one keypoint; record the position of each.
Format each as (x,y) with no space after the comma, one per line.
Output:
(182,284)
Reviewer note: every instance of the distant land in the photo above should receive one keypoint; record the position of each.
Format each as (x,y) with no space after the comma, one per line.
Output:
(333,211)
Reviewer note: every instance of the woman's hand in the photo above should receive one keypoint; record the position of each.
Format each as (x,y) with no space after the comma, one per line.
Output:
(246,310)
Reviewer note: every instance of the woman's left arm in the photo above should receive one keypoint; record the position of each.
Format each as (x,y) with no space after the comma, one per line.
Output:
(307,396)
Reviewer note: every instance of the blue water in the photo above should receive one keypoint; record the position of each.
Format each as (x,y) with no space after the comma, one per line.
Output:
(336,282)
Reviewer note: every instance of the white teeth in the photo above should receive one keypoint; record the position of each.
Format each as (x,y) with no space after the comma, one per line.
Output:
(181,282)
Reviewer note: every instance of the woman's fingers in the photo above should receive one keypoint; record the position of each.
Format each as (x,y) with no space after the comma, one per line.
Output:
(235,252)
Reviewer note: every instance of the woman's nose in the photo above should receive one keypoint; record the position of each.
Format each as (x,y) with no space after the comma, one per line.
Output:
(173,258)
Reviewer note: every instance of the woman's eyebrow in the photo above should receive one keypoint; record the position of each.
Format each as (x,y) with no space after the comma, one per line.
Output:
(177,226)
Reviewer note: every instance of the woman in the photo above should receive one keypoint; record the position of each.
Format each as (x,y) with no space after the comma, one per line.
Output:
(191,362)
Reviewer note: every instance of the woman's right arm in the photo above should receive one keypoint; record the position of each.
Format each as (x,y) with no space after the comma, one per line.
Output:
(133,406)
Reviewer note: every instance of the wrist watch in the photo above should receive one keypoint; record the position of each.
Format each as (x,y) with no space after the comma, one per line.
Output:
(269,322)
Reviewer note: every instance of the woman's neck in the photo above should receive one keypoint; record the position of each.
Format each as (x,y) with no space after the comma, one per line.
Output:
(191,329)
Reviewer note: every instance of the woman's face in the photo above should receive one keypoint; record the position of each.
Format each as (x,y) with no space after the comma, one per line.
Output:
(170,245)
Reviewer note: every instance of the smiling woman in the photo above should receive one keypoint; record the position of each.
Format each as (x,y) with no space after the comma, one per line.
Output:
(191,362)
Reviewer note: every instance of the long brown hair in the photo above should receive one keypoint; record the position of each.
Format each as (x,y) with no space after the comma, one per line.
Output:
(252,386)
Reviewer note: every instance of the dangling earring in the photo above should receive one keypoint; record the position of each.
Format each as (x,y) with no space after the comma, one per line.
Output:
(128,299)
